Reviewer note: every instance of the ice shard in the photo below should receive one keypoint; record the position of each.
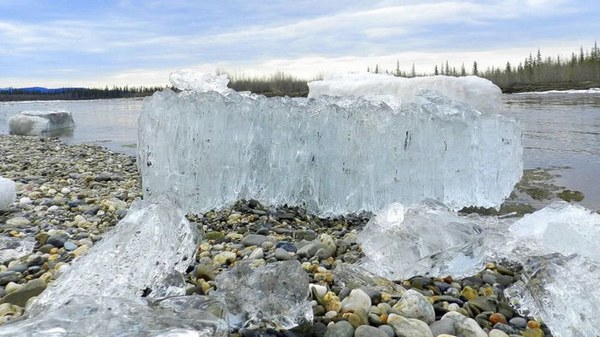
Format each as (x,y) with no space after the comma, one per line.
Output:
(14,248)
(144,254)
(7,193)
(426,239)
(275,295)
(32,123)
(91,316)
(333,154)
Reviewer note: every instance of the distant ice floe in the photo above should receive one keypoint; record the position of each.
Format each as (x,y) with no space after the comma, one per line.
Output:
(586,91)
(32,123)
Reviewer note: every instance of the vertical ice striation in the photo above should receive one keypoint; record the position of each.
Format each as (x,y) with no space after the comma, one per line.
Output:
(144,253)
(333,154)
(7,193)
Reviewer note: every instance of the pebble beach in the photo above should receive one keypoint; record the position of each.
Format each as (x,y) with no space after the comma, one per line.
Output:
(68,196)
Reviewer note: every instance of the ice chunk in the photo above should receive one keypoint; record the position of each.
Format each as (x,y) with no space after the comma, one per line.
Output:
(422,239)
(477,92)
(14,248)
(334,155)
(198,81)
(559,249)
(91,316)
(7,193)
(560,291)
(143,255)
(31,123)
(275,294)
(354,276)
(560,228)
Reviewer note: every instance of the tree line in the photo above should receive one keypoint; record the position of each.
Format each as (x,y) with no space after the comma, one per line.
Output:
(535,73)
(33,94)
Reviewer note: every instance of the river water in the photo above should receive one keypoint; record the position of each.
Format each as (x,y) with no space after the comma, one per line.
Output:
(561,131)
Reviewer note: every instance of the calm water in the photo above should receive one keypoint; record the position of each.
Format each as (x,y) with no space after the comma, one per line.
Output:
(562,131)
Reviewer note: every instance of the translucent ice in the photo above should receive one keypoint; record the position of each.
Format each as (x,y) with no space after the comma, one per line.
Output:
(91,316)
(354,276)
(424,239)
(335,155)
(197,81)
(559,248)
(143,255)
(7,193)
(14,248)
(31,123)
(275,295)
(477,92)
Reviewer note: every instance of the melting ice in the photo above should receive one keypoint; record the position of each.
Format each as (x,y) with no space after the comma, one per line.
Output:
(7,193)
(557,246)
(212,146)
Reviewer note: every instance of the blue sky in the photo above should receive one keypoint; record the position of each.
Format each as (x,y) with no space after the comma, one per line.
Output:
(96,43)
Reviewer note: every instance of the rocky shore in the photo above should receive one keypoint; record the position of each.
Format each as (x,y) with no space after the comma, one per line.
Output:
(68,196)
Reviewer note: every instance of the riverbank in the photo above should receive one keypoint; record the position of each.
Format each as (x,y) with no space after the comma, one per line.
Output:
(70,195)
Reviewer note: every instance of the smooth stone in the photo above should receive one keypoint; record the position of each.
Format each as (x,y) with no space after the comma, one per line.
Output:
(257,253)
(310,249)
(536,332)
(254,240)
(340,329)
(225,257)
(319,329)
(290,247)
(307,235)
(408,327)
(518,322)
(497,333)
(356,300)
(70,246)
(465,327)
(369,331)
(443,326)
(388,330)
(414,305)
(484,304)
(9,276)
(18,267)
(373,294)
(282,254)
(318,289)
(58,239)
(506,328)
(17,221)
(23,294)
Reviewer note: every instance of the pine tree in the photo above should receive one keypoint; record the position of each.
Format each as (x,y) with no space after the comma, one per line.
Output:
(475,70)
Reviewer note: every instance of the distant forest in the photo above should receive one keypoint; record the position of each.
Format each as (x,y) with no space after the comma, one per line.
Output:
(535,73)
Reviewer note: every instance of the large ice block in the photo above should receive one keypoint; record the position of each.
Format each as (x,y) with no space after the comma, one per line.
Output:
(477,92)
(91,316)
(7,193)
(143,255)
(31,123)
(275,295)
(335,155)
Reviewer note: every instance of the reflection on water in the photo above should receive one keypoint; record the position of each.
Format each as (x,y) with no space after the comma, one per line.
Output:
(560,130)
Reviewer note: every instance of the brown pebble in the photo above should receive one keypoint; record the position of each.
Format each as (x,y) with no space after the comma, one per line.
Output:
(498,318)
(533,325)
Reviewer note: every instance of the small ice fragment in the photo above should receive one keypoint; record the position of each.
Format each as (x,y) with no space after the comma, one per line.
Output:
(275,294)
(7,193)
(143,255)
(354,276)
(31,123)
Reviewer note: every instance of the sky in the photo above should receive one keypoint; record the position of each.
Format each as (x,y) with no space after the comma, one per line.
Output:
(91,43)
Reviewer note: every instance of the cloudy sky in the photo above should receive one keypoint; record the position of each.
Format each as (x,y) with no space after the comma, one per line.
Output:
(96,43)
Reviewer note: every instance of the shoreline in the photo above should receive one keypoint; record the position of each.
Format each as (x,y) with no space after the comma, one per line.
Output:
(68,196)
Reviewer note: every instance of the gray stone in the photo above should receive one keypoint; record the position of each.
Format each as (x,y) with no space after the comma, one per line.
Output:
(340,329)
(443,326)
(282,254)
(506,328)
(310,249)
(58,239)
(409,327)
(484,304)
(465,327)
(70,246)
(19,268)
(9,276)
(414,305)
(389,331)
(369,331)
(18,221)
(253,240)
(518,322)
(308,235)
(23,294)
